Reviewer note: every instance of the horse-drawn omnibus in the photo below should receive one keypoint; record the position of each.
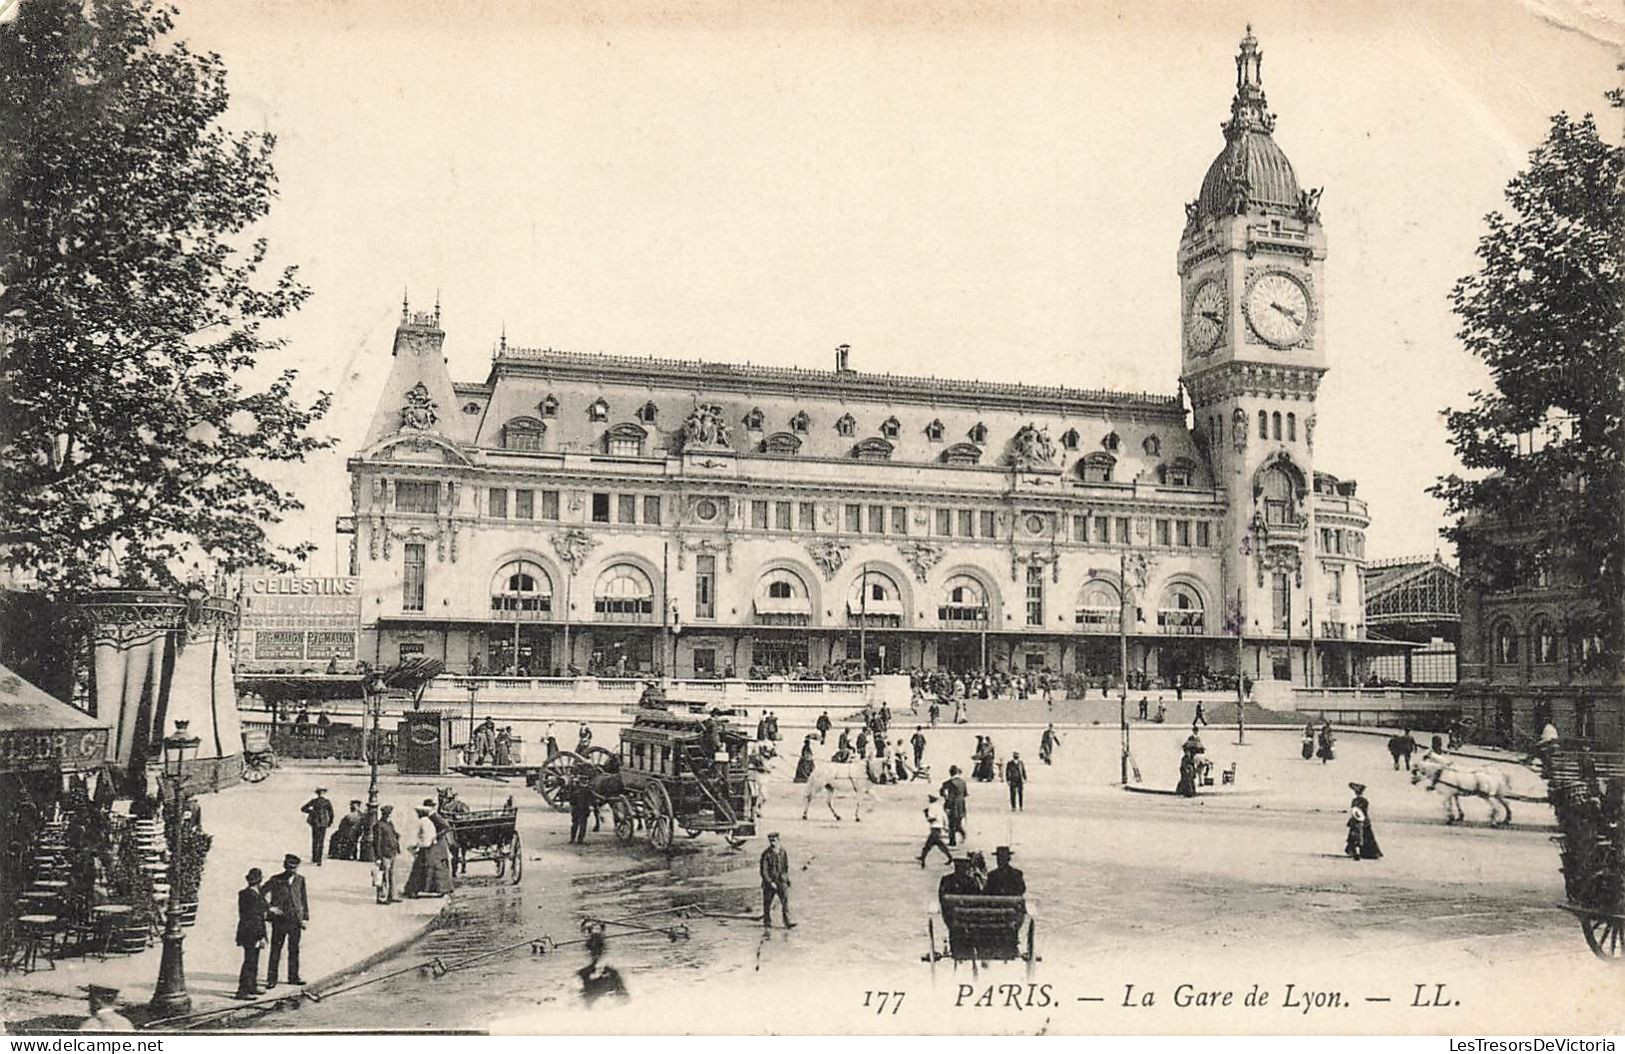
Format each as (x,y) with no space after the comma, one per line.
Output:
(673,771)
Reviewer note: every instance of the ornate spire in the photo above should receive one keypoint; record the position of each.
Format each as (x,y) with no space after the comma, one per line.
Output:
(503,343)
(1249,112)
(405,306)
(437,307)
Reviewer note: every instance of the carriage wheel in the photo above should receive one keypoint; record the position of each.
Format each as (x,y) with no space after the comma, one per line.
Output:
(599,756)
(517,851)
(255,769)
(1606,936)
(553,779)
(660,820)
(1031,958)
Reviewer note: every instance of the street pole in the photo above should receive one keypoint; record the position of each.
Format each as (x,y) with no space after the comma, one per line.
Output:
(473,690)
(170,998)
(863,621)
(1241,687)
(375,700)
(1122,660)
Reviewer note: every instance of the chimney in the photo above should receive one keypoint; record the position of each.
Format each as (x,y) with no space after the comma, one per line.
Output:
(843,353)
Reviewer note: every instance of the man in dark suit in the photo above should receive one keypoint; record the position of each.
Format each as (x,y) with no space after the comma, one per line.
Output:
(1004,880)
(775,867)
(290,911)
(319,814)
(954,792)
(251,911)
(824,725)
(1015,777)
(386,846)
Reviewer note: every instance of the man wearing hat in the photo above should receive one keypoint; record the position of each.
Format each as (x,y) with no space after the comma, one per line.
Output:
(289,909)
(319,814)
(103,1018)
(775,868)
(1004,880)
(934,820)
(1015,777)
(251,911)
(954,792)
(386,846)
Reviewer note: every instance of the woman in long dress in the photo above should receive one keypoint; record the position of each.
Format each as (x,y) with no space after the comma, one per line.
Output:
(804,767)
(1308,741)
(1327,749)
(431,856)
(1362,843)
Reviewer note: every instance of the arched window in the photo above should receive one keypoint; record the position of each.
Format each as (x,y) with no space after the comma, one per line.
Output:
(782,599)
(1111,441)
(782,444)
(523,433)
(1504,643)
(977,433)
(875,597)
(1069,439)
(522,586)
(624,440)
(890,427)
(1097,468)
(598,411)
(1263,425)
(1543,641)
(1292,428)
(549,407)
(753,420)
(964,602)
(648,412)
(624,593)
(1280,504)
(800,422)
(1152,446)
(1275,423)
(872,449)
(934,431)
(1180,611)
(846,425)
(962,454)
(1100,608)
(1179,472)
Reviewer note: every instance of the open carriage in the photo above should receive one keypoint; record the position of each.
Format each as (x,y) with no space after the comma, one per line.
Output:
(1587,791)
(666,777)
(488,834)
(981,928)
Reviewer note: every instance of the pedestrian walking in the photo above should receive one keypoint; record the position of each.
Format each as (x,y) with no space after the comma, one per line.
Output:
(319,814)
(1145,708)
(935,712)
(775,868)
(1308,740)
(386,846)
(918,743)
(954,794)
(289,909)
(823,725)
(935,822)
(1201,716)
(1362,843)
(1047,744)
(1327,749)
(251,914)
(431,855)
(1015,777)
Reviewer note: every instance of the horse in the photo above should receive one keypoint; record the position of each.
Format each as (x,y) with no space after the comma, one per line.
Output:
(1493,787)
(827,775)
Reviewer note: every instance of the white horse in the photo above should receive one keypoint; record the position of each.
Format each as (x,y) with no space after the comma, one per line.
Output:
(1457,780)
(829,776)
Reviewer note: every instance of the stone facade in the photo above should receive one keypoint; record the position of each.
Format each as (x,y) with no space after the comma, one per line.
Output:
(631,514)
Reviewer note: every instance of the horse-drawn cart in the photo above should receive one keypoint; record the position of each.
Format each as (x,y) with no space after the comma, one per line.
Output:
(982,928)
(489,834)
(675,771)
(1587,791)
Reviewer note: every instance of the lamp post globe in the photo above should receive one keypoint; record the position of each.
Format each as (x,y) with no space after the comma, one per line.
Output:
(170,998)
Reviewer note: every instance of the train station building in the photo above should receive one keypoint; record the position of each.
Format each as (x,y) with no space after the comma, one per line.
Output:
(626,515)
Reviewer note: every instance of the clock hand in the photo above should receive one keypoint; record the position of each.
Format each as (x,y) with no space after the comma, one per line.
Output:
(1214,315)
(1289,314)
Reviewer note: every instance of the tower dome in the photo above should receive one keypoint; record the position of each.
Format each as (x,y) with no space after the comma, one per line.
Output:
(1251,171)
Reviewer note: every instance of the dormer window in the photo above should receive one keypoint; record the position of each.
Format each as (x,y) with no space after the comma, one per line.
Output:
(847,425)
(625,440)
(962,454)
(782,444)
(873,449)
(1069,439)
(598,411)
(800,422)
(934,431)
(1097,468)
(890,428)
(753,420)
(1112,441)
(1177,473)
(523,433)
(978,433)
(549,407)
(1153,446)
(648,412)
(471,408)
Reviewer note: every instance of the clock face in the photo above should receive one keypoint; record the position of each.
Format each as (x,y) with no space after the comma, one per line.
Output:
(1205,326)
(1278,309)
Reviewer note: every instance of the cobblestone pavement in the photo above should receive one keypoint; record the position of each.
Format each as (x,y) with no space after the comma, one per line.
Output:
(1218,894)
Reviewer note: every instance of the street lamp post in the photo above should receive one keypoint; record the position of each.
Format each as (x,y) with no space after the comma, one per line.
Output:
(372,686)
(171,998)
(473,691)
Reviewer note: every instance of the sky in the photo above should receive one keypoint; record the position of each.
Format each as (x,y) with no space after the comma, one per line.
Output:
(966,190)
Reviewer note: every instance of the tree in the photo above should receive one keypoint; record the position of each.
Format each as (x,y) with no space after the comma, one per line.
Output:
(1546,312)
(133,311)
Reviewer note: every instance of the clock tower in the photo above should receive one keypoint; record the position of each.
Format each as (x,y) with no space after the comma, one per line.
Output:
(1254,350)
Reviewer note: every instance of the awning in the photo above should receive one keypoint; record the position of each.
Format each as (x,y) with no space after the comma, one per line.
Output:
(280,687)
(888,606)
(791,605)
(38,731)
